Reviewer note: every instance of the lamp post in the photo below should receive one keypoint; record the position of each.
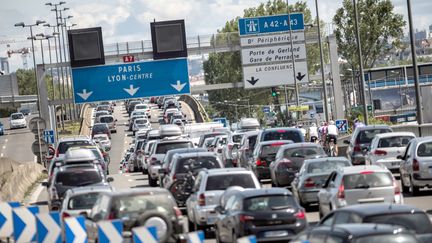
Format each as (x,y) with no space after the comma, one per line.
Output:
(353,87)
(21,24)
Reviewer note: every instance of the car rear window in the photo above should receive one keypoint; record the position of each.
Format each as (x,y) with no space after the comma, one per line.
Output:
(78,178)
(366,136)
(367,179)
(303,152)
(418,222)
(162,148)
(282,134)
(64,146)
(222,182)
(237,138)
(326,166)
(399,238)
(141,121)
(103,107)
(270,149)
(106,119)
(424,149)
(197,163)
(83,201)
(269,203)
(130,206)
(17,116)
(100,128)
(399,141)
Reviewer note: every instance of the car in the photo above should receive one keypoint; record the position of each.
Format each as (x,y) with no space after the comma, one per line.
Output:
(86,155)
(81,199)
(1,129)
(101,128)
(178,116)
(385,147)
(289,159)
(144,107)
(281,133)
(271,214)
(246,148)
(356,233)
(405,216)
(138,207)
(25,111)
(358,185)
(136,115)
(103,140)
(158,152)
(229,151)
(360,142)
(110,121)
(65,143)
(17,120)
(71,176)
(209,187)
(416,166)
(146,151)
(140,124)
(263,155)
(170,130)
(207,143)
(98,114)
(184,168)
(312,175)
(104,108)
(208,135)
(217,145)
(131,106)
(170,113)
(248,124)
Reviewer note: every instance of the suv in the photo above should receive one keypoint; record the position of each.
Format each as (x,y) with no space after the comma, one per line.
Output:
(361,140)
(247,146)
(101,128)
(229,151)
(281,133)
(65,143)
(17,120)
(158,152)
(209,187)
(110,121)
(356,185)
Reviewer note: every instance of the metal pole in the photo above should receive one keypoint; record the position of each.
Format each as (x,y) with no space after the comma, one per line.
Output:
(286,101)
(360,59)
(43,61)
(416,77)
(35,71)
(65,60)
(250,114)
(292,57)
(322,64)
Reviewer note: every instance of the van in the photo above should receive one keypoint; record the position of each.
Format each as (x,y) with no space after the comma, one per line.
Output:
(170,130)
(248,124)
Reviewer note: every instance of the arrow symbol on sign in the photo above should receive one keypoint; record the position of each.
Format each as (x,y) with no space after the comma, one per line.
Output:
(300,76)
(52,229)
(84,95)
(179,86)
(79,234)
(131,91)
(253,81)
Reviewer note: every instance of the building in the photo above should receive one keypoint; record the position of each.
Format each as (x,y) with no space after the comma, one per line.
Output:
(4,65)
(430,31)
(420,35)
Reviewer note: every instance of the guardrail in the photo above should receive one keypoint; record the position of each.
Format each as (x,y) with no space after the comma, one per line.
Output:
(197,108)
(18,98)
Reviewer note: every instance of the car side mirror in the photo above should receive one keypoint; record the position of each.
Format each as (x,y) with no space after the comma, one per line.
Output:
(97,217)
(110,179)
(429,211)
(45,184)
(85,215)
(220,209)
(400,157)
(331,185)
(346,141)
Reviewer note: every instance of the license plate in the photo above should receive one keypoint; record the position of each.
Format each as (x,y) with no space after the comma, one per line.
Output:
(277,233)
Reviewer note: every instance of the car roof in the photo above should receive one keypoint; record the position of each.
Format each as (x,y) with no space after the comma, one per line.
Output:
(100,124)
(75,138)
(106,116)
(358,169)
(80,167)
(196,154)
(251,133)
(224,171)
(322,159)
(423,139)
(100,135)
(281,142)
(394,134)
(79,154)
(17,113)
(137,191)
(176,139)
(265,191)
(187,150)
(370,127)
(359,230)
(300,145)
(88,189)
(280,128)
(380,208)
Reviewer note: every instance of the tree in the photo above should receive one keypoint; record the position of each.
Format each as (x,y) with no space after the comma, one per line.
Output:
(380,30)
(27,84)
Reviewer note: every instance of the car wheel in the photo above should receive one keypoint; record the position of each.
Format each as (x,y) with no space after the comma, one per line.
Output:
(405,189)
(160,221)
(144,171)
(152,182)
(413,189)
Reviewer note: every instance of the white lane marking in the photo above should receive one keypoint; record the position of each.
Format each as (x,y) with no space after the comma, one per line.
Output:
(130,180)
(6,140)
(35,159)
(1,155)
(4,146)
(34,197)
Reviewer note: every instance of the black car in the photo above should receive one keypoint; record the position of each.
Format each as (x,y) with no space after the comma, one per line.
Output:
(263,155)
(405,216)
(271,214)
(101,128)
(357,233)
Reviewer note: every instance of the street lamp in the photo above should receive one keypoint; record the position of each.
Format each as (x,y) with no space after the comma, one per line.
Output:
(21,24)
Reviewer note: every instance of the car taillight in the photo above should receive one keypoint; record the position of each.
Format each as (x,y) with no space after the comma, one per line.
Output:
(201,200)
(396,187)
(178,212)
(366,172)
(65,215)
(244,218)
(300,215)
(277,144)
(111,216)
(309,183)
(341,192)
(260,162)
(380,152)
(357,148)
(415,165)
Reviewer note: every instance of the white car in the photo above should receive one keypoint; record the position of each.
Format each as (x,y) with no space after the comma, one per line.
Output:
(144,107)
(141,124)
(103,140)
(17,120)
(385,148)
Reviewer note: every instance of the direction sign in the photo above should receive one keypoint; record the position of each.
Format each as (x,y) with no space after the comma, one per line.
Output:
(110,231)
(24,223)
(131,80)
(6,226)
(266,109)
(48,228)
(342,125)
(195,237)
(298,108)
(128,58)
(269,54)
(270,24)
(37,124)
(49,136)
(75,230)
(145,235)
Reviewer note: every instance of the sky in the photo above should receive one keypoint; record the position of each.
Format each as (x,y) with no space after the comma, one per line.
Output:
(128,20)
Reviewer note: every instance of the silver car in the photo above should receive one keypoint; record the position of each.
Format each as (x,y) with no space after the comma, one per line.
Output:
(416,165)
(209,187)
(229,151)
(358,185)
(385,147)
(312,175)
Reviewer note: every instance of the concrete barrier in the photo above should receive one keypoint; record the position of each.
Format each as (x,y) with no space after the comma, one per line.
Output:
(197,108)
(86,118)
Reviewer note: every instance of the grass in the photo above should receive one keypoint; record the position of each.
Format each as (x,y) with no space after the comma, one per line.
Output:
(70,128)
(31,188)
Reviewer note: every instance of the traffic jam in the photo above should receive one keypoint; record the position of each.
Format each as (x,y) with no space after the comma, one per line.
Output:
(240,183)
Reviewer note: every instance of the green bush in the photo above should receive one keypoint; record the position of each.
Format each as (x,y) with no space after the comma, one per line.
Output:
(6,112)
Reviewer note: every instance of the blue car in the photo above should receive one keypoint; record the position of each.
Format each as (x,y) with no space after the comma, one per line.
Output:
(1,129)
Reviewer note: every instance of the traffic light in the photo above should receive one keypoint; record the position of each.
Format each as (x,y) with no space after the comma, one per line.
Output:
(274,92)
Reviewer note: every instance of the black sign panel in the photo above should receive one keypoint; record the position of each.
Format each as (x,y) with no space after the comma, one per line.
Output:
(168,39)
(86,47)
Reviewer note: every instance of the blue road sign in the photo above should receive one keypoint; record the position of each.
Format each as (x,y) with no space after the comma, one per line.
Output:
(195,237)
(131,80)
(270,24)
(145,235)
(248,239)
(6,226)
(110,231)
(342,125)
(222,120)
(75,230)
(48,228)
(49,136)
(24,223)
(266,109)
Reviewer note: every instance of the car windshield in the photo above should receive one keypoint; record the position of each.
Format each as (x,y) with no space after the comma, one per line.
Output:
(208,141)
(162,148)
(303,152)
(78,178)
(425,149)
(418,222)
(101,113)
(131,206)
(399,141)
(269,203)
(17,116)
(222,182)
(367,179)
(366,136)
(64,146)
(106,119)
(138,113)
(141,121)
(141,107)
(282,134)
(197,163)
(83,201)
(237,138)
(270,150)
(399,238)
(326,166)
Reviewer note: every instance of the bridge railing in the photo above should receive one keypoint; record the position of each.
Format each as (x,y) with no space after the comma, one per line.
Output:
(399,81)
